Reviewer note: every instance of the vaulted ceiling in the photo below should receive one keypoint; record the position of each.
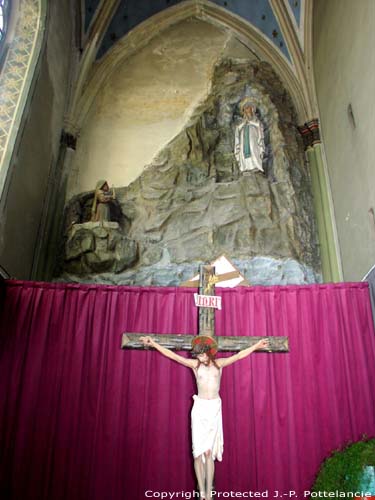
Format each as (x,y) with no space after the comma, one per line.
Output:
(130,13)
(278,31)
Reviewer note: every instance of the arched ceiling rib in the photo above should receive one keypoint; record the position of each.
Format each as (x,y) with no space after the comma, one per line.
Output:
(293,70)
(130,13)
(296,6)
(90,9)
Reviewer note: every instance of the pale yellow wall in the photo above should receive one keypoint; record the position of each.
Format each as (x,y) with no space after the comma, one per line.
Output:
(146,101)
(344,64)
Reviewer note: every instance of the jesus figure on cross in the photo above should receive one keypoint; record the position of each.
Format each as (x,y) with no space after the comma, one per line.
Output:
(206,419)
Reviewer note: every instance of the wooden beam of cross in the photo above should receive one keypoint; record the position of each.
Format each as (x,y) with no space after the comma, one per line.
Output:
(207,301)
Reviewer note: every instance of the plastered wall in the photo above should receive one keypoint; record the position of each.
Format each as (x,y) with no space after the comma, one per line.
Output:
(344,64)
(146,102)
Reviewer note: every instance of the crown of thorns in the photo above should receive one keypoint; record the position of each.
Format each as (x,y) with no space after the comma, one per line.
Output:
(204,344)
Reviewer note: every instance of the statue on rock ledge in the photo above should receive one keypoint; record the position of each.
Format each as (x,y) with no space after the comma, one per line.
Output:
(249,139)
(101,211)
(194,201)
(98,245)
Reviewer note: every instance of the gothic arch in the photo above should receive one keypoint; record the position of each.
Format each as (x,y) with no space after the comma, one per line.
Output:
(296,74)
(17,75)
(93,74)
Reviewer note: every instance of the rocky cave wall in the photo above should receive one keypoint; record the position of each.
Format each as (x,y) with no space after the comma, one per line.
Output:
(193,204)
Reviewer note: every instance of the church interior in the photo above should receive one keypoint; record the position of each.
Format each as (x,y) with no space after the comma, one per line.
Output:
(139,141)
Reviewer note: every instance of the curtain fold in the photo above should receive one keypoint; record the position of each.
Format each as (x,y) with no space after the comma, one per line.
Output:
(82,420)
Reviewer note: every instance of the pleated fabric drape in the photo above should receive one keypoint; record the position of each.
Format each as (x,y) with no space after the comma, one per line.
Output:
(82,420)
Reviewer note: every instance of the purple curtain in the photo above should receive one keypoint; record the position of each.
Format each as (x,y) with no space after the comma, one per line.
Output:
(82,420)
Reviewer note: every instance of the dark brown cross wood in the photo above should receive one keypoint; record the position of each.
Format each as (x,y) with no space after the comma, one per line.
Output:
(181,342)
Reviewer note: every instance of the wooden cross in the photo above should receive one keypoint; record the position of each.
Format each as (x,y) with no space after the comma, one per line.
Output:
(182,342)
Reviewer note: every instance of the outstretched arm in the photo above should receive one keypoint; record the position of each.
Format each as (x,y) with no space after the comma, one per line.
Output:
(150,342)
(262,344)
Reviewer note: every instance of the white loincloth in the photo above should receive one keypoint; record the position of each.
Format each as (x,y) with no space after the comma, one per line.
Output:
(207,428)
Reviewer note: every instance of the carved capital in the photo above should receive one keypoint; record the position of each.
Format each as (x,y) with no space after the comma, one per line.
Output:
(310,133)
(68,140)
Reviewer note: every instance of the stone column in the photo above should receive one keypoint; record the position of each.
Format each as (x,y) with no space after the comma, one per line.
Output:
(329,251)
(52,220)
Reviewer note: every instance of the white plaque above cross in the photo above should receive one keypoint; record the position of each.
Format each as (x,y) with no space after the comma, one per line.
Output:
(182,342)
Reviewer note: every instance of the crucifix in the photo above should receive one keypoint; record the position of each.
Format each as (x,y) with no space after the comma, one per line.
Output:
(207,302)
(206,413)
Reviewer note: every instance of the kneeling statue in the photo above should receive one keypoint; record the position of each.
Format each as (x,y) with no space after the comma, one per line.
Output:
(101,210)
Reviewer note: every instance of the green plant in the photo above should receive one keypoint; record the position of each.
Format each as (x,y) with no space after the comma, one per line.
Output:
(344,470)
